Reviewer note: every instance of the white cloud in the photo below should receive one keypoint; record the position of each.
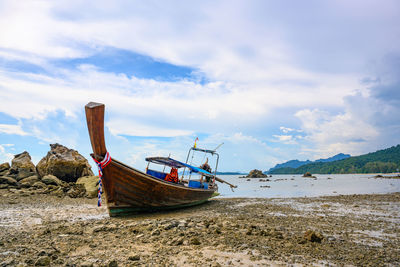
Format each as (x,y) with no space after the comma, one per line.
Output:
(332,134)
(239,137)
(285,139)
(119,127)
(260,66)
(253,73)
(12,129)
(287,130)
(260,57)
(290,136)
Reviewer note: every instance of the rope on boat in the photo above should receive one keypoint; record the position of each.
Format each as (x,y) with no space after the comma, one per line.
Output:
(100,166)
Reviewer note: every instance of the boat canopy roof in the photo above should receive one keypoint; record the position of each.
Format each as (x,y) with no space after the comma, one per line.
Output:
(204,150)
(177,164)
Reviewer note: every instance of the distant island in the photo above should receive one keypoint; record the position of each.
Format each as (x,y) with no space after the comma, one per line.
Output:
(297,163)
(381,161)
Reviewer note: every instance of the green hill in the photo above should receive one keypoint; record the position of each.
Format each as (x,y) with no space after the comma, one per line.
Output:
(381,161)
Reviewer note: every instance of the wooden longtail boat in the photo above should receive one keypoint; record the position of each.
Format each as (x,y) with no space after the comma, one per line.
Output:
(129,190)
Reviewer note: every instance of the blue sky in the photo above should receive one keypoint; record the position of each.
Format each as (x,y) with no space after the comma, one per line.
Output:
(272,80)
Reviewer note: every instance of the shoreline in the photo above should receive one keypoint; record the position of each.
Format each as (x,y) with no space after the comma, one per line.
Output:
(335,230)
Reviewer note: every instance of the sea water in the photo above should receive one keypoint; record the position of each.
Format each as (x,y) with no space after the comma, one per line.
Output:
(298,186)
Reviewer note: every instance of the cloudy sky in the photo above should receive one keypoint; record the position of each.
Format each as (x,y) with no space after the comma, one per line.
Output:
(272,80)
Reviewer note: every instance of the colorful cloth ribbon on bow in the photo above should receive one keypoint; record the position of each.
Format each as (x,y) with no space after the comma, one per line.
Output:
(100,166)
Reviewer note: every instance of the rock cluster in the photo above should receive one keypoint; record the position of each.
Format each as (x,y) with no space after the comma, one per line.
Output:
(256,174)
(308,175)
(61,172)
(388,176)
(67,164)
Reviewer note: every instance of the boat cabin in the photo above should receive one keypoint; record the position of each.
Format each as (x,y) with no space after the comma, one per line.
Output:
(185,170)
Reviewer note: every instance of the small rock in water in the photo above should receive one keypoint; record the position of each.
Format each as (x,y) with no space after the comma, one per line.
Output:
(308,175)
(256,174)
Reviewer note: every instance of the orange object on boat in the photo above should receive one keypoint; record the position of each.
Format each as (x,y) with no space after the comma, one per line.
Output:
(172,176)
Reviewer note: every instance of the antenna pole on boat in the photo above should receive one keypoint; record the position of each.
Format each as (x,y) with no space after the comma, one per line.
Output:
(184,169)
(191,161)
(218,146)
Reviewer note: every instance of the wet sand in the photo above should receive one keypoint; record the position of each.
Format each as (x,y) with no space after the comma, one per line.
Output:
(358,230)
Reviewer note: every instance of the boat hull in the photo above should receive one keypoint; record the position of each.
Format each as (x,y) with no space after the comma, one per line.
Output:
(130,191)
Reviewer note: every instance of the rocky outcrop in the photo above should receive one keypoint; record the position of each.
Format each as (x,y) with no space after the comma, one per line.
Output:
(256,174)
(21,167)
(64,163)
(23,161)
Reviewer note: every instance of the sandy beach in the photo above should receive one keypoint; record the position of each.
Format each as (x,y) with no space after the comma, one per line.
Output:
(358,230)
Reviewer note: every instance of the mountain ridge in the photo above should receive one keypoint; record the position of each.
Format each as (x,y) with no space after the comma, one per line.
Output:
(381,161)
(297,163)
